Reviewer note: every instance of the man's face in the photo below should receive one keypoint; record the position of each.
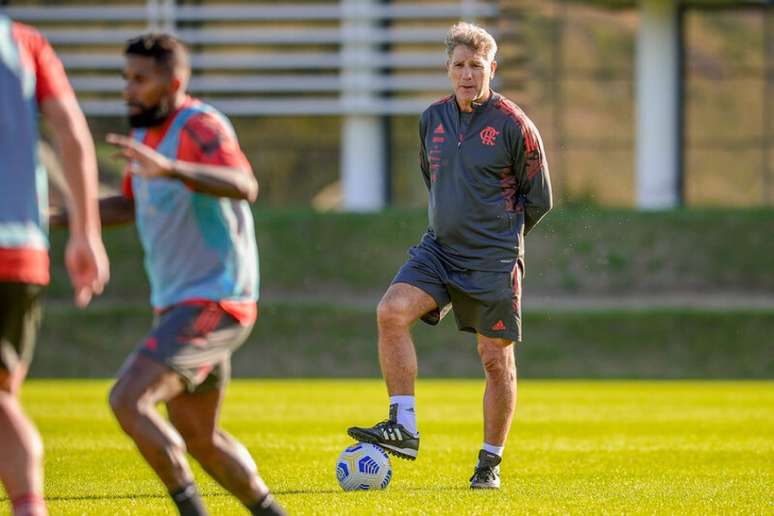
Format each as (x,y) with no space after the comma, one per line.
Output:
(470,74)
(148,92)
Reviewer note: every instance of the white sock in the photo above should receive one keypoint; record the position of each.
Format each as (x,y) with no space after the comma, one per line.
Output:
(406,412)
(491,448)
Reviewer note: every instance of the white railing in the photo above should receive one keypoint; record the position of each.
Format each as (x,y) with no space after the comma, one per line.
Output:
(358,47)
(359,59)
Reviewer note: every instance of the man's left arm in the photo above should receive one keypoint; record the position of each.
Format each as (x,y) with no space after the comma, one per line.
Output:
(85,257)
(215,180)
(531,169)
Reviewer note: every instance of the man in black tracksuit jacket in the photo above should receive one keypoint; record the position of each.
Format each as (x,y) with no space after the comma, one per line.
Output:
(485,169)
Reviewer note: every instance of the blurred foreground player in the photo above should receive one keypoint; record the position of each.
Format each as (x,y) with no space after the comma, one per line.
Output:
(188,188)
(33,80)
(483,163)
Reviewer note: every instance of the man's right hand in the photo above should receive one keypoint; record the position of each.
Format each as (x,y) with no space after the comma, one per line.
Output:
(88,267)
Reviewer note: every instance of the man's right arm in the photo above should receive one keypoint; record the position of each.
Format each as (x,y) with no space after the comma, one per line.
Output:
(424,165)
(115,210)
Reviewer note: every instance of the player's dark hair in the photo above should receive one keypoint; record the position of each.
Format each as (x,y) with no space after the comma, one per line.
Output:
(166,50)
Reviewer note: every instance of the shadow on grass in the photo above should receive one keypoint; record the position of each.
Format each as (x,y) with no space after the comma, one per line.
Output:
(114,497)
(339,491)
(283,492)
(436,488)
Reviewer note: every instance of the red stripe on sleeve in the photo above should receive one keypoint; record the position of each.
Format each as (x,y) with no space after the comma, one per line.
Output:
(533,146)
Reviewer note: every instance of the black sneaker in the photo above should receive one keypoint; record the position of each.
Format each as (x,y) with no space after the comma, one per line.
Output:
(390,435)
(487,472)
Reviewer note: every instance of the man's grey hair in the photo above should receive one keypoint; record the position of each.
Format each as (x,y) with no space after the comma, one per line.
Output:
(472,36)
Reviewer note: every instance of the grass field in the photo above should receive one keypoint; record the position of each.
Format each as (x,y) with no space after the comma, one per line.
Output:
(576,446)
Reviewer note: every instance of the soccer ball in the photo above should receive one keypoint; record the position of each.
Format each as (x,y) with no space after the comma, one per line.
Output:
(363,466)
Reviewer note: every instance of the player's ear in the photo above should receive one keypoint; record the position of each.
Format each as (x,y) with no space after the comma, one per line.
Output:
(494,67)
(177,83)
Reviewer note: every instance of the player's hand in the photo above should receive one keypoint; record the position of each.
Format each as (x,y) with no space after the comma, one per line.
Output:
(88,267)
(143,160)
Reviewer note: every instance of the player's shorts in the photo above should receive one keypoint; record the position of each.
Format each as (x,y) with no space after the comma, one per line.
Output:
(196,342)
(484,302)
(20,314)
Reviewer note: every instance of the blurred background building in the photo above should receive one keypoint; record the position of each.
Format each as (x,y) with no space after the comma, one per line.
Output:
(656,103)
(647,104)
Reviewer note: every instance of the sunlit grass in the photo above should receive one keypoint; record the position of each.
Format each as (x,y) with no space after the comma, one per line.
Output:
(579,447)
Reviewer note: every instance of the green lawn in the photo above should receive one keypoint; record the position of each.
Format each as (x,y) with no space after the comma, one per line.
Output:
(339,341)
(576,446)
(343,257)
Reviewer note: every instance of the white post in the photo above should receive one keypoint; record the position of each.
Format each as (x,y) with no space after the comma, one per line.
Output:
(658,131)
(168,15)
(152,9)
(469,10)
(362,136)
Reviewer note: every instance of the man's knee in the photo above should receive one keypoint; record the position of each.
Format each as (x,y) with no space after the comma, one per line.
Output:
(394,312)
(10,381)
(200,444)
(498,369)
(6,382)
(498,360)
(140,386)
(34,448)
(125,402)
(28,439)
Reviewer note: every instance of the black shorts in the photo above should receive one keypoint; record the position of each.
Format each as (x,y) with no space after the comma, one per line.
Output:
(484,302)
(20,314)
(196,342)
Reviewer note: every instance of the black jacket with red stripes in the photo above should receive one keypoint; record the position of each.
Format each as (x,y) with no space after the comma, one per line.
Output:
(487,179)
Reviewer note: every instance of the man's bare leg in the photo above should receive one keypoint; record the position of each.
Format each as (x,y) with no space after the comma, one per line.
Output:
(500,395)
(195,416)
(21,449)
(398,310)
(499,405)
(133,398)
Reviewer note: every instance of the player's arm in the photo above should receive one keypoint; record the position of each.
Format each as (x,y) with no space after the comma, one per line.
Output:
(115,210)
(216,180)
(85,255)
(64,117)
(531,169)
(424,165)
(79,163)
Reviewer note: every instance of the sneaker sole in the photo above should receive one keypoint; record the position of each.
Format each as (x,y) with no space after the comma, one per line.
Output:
(401,453)
(481,486)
